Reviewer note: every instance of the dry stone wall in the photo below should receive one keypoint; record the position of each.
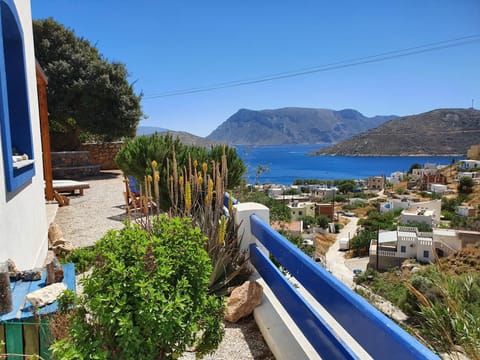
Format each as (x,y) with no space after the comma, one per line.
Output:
(103,153)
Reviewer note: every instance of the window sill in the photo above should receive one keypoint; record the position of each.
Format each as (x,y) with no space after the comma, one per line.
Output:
(20,164)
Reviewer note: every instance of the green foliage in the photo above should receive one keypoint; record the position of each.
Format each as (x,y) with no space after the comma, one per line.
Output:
(278,211)
(466,184)
(83,258)
(375,220)
(382,285)
(291,191)
(66,300)
(422,227)
(361,241)
(346,186)
(147,297)
(317,221)
(449,312)
(86,93)
(414,166)
(135,159)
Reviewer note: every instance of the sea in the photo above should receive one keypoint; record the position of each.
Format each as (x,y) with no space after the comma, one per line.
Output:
(285,163)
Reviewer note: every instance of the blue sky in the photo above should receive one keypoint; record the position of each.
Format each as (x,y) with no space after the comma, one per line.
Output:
(177,45)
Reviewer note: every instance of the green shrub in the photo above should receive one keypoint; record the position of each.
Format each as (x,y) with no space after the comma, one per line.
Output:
(147,297)
(83,258)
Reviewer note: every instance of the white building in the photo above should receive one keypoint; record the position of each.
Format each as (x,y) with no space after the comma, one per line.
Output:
(394,204)
(408,243)
(438,188)
(463,210)
(427,212)
(470,165)
(302,209)
(396,177)
(23,220)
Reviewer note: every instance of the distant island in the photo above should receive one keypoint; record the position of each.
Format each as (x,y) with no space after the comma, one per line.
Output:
(437,132)
(293,125)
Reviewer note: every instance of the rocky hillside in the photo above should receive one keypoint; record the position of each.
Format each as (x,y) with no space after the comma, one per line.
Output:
(437,132)
(293,126)
(184,137)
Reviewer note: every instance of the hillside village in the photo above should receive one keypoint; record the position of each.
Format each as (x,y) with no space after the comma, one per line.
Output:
(434,218)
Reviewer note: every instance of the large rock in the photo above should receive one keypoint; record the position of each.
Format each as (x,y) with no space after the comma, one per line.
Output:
(54,272)
(54,234)
(243,300)
(46,295)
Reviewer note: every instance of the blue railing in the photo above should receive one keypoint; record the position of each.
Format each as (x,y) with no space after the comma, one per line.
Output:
(373,331)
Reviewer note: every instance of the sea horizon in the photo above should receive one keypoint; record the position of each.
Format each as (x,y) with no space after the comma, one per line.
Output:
(287,163)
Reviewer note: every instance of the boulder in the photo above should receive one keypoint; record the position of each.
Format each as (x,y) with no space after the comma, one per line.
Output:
(46,295)
(54,272)
(32,275)
(243,300)
(62,247)
(54,234)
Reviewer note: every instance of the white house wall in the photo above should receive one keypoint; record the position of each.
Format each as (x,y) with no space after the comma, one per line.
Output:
(23,221)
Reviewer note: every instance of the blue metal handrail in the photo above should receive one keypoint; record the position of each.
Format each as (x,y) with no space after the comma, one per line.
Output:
(376,333)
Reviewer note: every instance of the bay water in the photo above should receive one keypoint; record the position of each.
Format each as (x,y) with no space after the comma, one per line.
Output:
(286,163)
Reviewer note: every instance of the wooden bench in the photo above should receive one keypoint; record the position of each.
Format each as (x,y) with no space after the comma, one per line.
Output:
(70,186)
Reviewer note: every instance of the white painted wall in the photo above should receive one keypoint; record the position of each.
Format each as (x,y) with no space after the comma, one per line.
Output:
(23,223)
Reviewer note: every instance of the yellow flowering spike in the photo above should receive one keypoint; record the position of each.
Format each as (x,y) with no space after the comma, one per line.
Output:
(222,229)
(204,167)
(188,197)
(157,176)
(200,179)
(195,163)
(149,178)
(154,164)
(180,180)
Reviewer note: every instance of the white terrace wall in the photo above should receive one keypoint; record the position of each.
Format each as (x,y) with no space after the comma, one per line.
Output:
(23,223)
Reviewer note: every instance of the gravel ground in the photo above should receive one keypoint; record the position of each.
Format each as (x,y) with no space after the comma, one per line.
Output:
(101,208)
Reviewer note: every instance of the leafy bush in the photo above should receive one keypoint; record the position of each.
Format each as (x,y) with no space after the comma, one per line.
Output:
(83,258)
(147,297)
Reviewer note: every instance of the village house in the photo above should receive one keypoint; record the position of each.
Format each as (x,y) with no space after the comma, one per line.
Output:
(375,183)
(408,243)
(427,212)
(470,174)
(465,211)
(427,180)
(327,209)
(394,204)
(323,193)
(301,209)
(396,177)
(470,165)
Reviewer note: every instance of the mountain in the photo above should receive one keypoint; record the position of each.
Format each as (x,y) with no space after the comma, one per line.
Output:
(293,126)
(147,130)
(185,137)
(437,132)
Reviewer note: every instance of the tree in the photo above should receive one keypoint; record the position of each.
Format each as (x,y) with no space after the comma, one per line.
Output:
(259,172)
(414,166)
(147,297)
(87,95)
(346,186)
(466,184)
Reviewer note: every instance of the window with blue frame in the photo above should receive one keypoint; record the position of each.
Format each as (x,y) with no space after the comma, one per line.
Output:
(403,249)
(17,144)
(426,254)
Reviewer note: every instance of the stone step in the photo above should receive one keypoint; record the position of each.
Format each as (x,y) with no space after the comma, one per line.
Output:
(75,172)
